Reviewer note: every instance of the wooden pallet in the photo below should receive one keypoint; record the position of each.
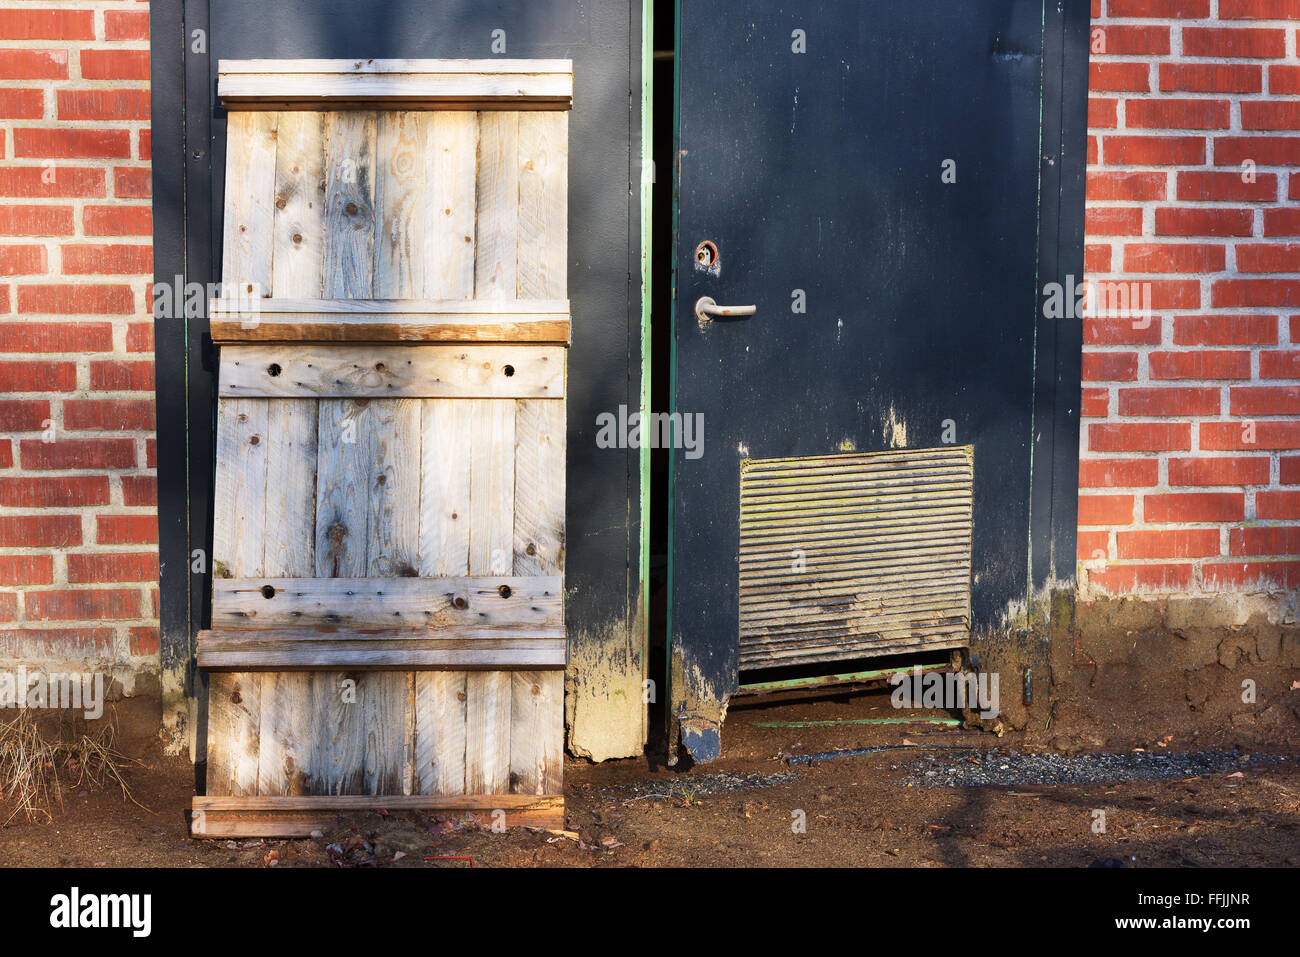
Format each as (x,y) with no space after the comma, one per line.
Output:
(388,543)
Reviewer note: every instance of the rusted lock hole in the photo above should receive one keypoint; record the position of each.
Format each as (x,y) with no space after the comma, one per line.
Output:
(273,369)
(509,371)
(504,591)
(268,591)
(381,367)
(706,254)
(460,602)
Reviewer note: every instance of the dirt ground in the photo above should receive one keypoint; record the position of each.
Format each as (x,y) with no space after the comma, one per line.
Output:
(740,811)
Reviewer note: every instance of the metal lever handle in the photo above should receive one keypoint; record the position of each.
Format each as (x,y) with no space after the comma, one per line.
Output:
(706,309)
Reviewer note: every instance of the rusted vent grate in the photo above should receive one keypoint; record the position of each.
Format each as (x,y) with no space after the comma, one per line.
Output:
(852,556)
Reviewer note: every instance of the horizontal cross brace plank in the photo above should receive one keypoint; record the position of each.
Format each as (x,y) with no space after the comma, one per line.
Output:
(389,320)
(283,816)
(395,84)
(311,370)
(499,601)
(447,649)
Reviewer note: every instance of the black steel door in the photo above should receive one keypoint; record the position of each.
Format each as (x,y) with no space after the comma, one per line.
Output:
(867,175)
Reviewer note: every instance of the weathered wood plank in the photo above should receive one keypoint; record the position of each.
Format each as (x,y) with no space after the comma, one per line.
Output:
(543,237)
(451,174)
(487,731)
(249,216)
(299,816)
(498,206)
(396,84)
(234,704)
(460,649)
(338,740)
(349,205)
(400,207)
(388,371)
(504,600)
(298,237)
(345,458)
(492,487)
(440,732)
(394,521)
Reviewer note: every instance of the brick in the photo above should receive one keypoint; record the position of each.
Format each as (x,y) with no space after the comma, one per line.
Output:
(132,182)
(1140,437)
(114,567)
(122,376)
(1095,403)
(1212,77)
(1159,294)
(1157,9)
(1283,540)
(38,376)
(1119,77)
(35,531)
(102,299)
(21,104)
(1194,221)
(26,570)
(1268,257)
(1103,113)
(1282,221)
(78,454)
(1096,258)
(1265,400)
(1168,543)
(1162,402)
(1174,257)
(1201,364)
(1262,150)
(144,640)
(121,25)
(36,221)
(1277,505)
(1233,436)
(115,64)
(1247,330)
(1295,329)
(1132,186)
(33,64)
(1230,42)
(1153,150)
(1261,574)
(1091,546)
(72,143)
(1118,473)
(1230,293)
(1121,330)
(126,529)
(139,337)
(1105,509)
(1278,364)
(145,149)
(6,454)
(1290,469)
(1215,186)
(1194,507)
(28,24)
(1283,78)
(1259,9)
(1124,579)
(1177,114)
(56,337)
(63,640)
(85,604)
(1109,366)
(118,220)
(1093,151)
(108,414)
(139,490)
(1270,115)
(103,104)
(1250,470)
(1129,40)
(22,260)
(23,415)
(106,259)
(1113,221)
(63,491)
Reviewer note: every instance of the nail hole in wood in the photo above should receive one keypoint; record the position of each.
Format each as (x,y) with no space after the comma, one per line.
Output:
(273,369)
(504,591)
(268,591)
(509,371)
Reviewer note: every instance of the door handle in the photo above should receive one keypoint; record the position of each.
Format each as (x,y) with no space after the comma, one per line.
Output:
(706,309)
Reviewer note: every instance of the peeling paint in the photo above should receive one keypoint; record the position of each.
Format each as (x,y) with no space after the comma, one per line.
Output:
(698,710)
(894,429)
(604,706)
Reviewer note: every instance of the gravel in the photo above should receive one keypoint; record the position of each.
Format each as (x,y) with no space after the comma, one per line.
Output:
(1008,768)
(706,785)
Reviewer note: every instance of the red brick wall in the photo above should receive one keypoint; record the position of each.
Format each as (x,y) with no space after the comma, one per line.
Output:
(1190,455)
(78,529)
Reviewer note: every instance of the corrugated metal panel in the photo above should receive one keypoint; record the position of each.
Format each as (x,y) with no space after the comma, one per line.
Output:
(852,556)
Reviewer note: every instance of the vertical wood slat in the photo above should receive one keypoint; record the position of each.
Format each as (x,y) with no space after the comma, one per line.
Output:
(496,250)
(451,174)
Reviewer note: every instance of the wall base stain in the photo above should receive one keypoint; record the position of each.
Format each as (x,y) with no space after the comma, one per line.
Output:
(604,693)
